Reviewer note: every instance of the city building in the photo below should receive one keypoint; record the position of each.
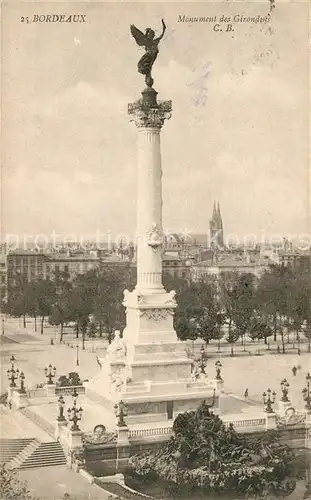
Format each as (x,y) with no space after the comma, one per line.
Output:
(175,265)
(3,278)
(215,266)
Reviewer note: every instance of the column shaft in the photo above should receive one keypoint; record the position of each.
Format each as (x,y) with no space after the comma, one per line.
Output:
(149,209)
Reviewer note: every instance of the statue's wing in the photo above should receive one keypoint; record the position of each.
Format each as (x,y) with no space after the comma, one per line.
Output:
(138,35)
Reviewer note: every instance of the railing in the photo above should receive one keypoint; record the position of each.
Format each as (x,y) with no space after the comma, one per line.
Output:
(68,390)
(36,393)
(158,431)
(252,422)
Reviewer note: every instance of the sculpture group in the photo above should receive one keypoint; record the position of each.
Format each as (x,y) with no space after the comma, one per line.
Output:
(150,44)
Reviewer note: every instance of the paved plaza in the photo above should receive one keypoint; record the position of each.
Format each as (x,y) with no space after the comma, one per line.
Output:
(33,352)
(51,483)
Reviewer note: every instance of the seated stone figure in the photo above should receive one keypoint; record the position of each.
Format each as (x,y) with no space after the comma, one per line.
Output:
(117,349)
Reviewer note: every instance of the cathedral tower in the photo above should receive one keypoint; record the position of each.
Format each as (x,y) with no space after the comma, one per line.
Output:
(216,228)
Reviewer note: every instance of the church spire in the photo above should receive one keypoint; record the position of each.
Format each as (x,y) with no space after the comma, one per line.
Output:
(218,210)
(214,216)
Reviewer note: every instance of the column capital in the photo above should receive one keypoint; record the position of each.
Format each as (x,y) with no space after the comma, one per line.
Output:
(148,113)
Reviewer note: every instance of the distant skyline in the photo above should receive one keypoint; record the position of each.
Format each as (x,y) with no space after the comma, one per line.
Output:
(238,133)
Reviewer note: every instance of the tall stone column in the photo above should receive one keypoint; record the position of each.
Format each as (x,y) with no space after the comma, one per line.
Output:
(149,308)
(149,117)
(154,375)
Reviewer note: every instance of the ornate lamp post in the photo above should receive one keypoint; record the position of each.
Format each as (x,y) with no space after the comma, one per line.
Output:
(284,388)
(121,412)
(203,360)
(77,359)
(13,375)
(218,366)
(50,373)
(61,404)
(22,389)
(269,400)
(306,393)
(74,413)
(12,359)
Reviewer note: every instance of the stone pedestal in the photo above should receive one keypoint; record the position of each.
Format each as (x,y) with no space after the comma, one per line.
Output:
(123,436)
(217,384)
(59,428)
(11,391)
(283,406)
(270,421)
(74,440)
(19,400)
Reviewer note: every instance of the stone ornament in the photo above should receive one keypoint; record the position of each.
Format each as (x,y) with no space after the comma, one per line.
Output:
(100,436)
(154,237)
(140,298)
(290,418)
(147,117)
(119,379)
(156,314)
(171,298)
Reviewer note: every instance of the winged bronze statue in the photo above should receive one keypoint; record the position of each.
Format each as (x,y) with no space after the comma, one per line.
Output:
(150,43)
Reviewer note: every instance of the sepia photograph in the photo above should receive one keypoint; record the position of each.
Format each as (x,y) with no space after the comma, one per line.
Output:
(155,251)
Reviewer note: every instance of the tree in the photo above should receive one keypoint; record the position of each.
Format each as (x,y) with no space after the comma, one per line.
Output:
(204,456)
(274,297)
(11,488)
(259,329)
(18,302)
(237,299)
(197,313)
(44,298)
(300,304)
(108,310)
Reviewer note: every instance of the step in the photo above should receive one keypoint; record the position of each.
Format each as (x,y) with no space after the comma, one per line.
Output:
(26,452)
(46,461)
(42,464)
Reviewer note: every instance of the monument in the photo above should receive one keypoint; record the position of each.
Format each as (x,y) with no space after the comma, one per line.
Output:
(149,369)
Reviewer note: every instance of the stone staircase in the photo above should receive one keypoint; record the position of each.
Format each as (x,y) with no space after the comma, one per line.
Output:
(10,448)
(45,455)
(22,456)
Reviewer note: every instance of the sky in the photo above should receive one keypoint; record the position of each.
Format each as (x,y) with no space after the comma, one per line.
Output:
(238,133)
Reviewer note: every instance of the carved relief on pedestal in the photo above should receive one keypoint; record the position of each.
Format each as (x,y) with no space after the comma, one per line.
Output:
(156,314)
(119,378)
(154,237)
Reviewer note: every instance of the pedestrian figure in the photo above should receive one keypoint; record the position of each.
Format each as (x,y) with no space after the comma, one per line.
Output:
(294,370)
(246,394)
(98,362)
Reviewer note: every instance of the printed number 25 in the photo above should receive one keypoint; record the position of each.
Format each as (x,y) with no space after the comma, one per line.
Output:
(25,20)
